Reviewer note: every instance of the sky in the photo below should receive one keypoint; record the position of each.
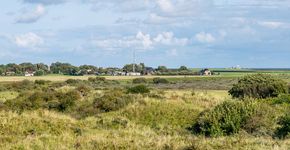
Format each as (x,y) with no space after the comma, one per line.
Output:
(195,33)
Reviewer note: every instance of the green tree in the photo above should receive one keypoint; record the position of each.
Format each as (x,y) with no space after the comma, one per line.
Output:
(183,68)
(162,69)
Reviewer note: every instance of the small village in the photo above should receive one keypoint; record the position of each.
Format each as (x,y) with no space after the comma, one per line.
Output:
(40,69)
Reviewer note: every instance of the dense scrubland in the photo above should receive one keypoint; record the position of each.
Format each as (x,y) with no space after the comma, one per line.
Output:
(251,112)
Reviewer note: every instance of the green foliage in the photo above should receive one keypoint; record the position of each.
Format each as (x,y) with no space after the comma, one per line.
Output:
(39,73)
(113,100)
(97,79)
(73,81)
(138,67)
(225,119)
(282,99)
(183,68)
(284,130)
(139,80)
(47,100)
(162,69)
(258,86)
(139,89)
(41,82)
(22,85)
(263,121)
(84,89)
(160,81)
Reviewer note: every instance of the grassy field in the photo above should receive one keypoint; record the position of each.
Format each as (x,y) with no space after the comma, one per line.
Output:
(159,120)
(152,124)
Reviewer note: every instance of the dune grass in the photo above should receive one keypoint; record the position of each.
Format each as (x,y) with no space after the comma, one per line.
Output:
(151,123)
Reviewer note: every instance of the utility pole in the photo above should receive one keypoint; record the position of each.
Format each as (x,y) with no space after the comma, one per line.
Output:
(134,60)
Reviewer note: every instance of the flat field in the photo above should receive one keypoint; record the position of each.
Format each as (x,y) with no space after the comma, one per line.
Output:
(101,114)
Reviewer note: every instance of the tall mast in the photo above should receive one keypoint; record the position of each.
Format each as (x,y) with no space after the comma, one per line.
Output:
(134,60)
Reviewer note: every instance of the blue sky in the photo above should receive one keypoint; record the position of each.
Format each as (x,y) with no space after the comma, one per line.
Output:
(195,33)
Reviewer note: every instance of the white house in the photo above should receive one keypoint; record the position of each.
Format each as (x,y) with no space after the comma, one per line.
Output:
(133,74)
(29,74)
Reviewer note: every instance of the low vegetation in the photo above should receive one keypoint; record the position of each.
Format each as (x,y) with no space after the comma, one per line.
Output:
(160,113)
(259,86)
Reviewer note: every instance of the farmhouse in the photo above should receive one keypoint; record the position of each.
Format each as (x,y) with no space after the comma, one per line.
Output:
(29,74)
(205,72)
(149,71)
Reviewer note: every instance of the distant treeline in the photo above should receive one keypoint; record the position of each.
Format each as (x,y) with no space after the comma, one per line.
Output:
(40,69)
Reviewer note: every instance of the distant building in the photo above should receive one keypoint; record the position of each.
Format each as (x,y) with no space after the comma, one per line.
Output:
(121,73)
(29,74)
(205,72)
(149,71)
(133,74)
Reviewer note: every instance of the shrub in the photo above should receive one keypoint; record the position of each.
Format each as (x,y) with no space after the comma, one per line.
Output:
(160,81)
(282,99)
(84,89)
(39,73)
(67,100)
(84,109)
(113,100)
(47,100)
(139,89)
(96,79)
(139,80)
(41,82)
(22,85)
(73,81)
(263,121)
(258,86)
(284,130)
(225,119)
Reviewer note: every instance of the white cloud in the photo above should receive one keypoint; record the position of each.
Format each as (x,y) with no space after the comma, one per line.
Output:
(167,38)
(45,2)
(141,41)
(205,37)
(32,16)
(145,39)
(28,40)
(165,5)
(271,24)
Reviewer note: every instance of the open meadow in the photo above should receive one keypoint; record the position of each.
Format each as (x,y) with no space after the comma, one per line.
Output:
(65,112)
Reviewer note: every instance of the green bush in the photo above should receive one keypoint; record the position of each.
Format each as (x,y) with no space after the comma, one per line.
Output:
(113,100)
(139,89)
(47,100)
(41,82)
(284,130)
(160,81)
(67,100)
(282,99)
(84,109)
(73,81)
(230,117)
(139,80)
(39,73)
(258,86)
(96,79)
(263,121)
(22,85)
(84,89)
(225,119)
